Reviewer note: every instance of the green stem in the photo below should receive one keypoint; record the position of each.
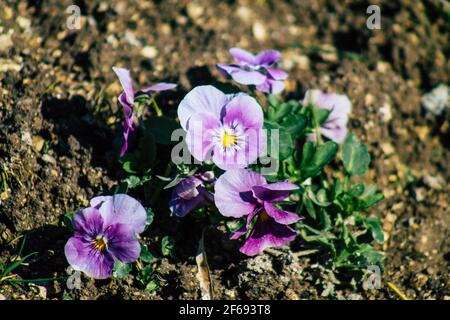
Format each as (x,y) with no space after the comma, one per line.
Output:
(158,110)
(316,121)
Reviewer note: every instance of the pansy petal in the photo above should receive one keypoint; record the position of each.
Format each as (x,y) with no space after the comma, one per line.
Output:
(267,234)
(227,69)
(126,82)
(88,223)
(248,77)
(243,57)
(245,110)
(123,209)
(274,192)
(281,216)
(277,74)
(271,86)
(82,256)
(122,242)
(233,196)
(162,86)
(199,137)
(268,57)
(187,188)
(181,207)
(201,99)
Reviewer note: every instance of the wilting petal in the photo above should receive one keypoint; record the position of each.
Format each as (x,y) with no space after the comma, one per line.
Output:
(233,196)
(88,223)
(181,207)
(268,57)
(227,69)
(274,192)
(122,242)
(123,209)
(248,77)
(126,82)
(277,74)
(83,256)
(199,137)
(163,86)
(126,133)
(201,99)
(244,109)
(187,188)
(266,234)
(243,57)
(281,216)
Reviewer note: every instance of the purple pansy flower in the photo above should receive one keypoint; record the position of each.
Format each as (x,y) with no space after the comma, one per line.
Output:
(335,127)
(256,70)
(106,232)
(126,99)
(225,128)
(190,193)
(240,193)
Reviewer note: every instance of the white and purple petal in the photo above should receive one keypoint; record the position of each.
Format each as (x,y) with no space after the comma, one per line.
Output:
(83,256)
(243,57)
(126,82)
(122,209)
(162,86)
(122,243)
(274,192)
(267,233)
(233,196)
(268,57)
(201,99)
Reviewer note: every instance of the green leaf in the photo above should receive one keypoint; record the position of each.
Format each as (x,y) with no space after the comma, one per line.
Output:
(145,275)
(150,216)
(161,128)
(375,228)
(280,147)
(146,255)
(277,112)
(67,219)
(167,246)
(322,156)
(295,125)
(355,156)
(322,115)
(152,285)
(357,190)
(121,269)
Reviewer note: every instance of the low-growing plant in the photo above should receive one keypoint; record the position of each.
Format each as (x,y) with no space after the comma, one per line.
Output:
(269,170)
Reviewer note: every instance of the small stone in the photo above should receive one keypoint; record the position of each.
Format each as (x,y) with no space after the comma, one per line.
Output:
(436,183)
(38,143)
(42,292)
(387,148)
(2,297)
(369,99)
(436,101)
(131,38)
(194,10)
(259,31)
(26,138)
(382,67)
(149,52)
(420,194)
(291,295)
(328,53)
(386,114)
(24,23)
(244,13)
(6,42)
(49,159)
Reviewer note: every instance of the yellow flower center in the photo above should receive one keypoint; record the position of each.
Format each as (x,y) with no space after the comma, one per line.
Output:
(100,243)
(228,139)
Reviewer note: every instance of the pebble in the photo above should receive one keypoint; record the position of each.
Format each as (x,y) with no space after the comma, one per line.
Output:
(2,297)
(259,31)
(6,42)
(149,52)
(436,183)
(420,194)
(386,114)
(194,10)
(49,159)
(38,143)
(244,13)
(436,101)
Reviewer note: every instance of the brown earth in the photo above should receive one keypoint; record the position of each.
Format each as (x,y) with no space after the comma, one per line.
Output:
(60,131)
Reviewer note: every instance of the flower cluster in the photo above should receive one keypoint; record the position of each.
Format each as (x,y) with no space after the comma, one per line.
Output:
(226,133)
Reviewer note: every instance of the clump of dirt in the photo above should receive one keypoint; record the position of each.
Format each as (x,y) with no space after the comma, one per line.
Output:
(60,132)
